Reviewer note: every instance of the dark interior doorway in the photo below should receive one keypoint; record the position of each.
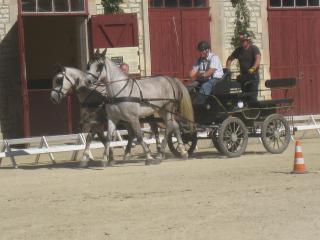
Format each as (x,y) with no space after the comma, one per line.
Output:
(50,40)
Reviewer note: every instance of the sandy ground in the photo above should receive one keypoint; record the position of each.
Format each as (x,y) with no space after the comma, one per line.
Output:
(206,197)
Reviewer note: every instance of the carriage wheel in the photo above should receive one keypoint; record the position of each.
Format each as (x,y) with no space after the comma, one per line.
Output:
(214,139)
(275,133)
(232,137)
(189,139)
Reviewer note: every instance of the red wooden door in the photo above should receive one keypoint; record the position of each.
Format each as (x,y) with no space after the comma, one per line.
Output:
(114,30)
(174,34)
(294,53)
(165,42)
(283,49)
(195,27)
(309,61)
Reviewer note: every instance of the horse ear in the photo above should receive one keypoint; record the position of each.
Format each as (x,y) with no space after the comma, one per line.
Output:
(97,52)
(104,52)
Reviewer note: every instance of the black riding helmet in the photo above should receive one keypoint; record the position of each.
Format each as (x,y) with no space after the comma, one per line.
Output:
(203,45)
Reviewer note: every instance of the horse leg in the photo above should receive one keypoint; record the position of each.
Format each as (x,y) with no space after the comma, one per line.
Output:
(127,152)
(103,139)
(177,134)
(166,118)
(86,154)
(137,130)
(107,161)
(172,126)
(154,129)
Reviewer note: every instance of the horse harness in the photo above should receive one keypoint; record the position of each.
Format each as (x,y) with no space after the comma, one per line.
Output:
(115,99)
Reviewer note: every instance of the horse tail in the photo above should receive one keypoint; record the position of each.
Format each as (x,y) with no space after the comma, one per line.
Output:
(186,108)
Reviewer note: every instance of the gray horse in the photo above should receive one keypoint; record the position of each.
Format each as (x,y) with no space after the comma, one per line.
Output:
(93,112)
(129,100)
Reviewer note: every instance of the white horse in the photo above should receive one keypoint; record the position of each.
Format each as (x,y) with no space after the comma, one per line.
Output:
(129,100)
(93,114)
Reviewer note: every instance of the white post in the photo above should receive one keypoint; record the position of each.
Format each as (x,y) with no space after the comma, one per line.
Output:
(13,161)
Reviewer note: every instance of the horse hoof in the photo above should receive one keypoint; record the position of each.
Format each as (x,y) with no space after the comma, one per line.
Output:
(152,162)
(160,156)
(83,164)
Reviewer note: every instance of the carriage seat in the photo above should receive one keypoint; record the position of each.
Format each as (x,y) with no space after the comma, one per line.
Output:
(282,83)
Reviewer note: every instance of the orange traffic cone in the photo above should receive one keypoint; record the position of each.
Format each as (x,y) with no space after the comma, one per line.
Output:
(299,166)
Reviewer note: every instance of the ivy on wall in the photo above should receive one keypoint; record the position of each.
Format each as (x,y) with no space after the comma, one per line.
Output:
(242,20)
(111,6)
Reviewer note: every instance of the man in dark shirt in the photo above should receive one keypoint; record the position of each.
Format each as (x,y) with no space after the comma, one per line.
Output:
(249,57)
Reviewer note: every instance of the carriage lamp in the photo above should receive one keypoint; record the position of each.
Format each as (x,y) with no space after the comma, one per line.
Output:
(240,104)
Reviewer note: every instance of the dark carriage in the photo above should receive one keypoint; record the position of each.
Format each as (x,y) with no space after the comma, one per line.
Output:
(232,117)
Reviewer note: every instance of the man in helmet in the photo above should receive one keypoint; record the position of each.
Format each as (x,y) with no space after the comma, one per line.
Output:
(206,71)
(249,57)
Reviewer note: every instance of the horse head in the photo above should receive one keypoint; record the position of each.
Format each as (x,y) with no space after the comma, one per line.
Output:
(64,80)
(102,70)
(96,68)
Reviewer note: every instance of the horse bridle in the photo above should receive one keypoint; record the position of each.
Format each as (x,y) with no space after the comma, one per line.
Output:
(60,90)
(96,77)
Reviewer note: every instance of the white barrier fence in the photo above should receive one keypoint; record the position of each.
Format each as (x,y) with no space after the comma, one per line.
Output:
(76,142)
(304,123)
(54,144)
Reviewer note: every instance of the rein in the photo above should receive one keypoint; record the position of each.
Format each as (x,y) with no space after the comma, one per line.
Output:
(115,99)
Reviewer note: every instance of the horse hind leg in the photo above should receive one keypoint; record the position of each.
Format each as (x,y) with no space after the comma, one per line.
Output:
(155,131)
(181,147)
(173,126)
(137,130)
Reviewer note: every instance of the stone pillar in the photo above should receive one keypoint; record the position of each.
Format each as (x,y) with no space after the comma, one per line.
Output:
(222,29)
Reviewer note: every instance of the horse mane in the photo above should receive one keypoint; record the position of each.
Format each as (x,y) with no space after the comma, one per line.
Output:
(114,72)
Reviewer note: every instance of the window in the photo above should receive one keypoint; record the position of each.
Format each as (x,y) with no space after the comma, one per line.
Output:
(178,3)
(52,6)
(171,3)
(313,3)
(293,3)
(45,6)
(288,3)
(301,3)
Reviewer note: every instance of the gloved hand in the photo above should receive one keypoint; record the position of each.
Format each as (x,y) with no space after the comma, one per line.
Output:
(251,70)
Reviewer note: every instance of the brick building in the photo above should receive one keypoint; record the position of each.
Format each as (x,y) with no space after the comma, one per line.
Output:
(33,37)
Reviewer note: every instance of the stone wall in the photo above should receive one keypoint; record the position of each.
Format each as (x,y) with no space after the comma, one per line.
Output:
(223,30)
(10,94)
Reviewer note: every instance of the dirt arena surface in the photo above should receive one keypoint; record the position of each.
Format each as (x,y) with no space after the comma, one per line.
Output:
(206,197)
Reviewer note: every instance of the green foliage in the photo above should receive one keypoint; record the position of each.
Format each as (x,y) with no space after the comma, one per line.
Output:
(242,21)
(112,6)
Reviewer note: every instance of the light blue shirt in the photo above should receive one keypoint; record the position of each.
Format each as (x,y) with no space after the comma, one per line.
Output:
(212,61)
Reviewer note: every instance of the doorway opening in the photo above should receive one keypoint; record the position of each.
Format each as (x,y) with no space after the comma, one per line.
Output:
(48,41)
